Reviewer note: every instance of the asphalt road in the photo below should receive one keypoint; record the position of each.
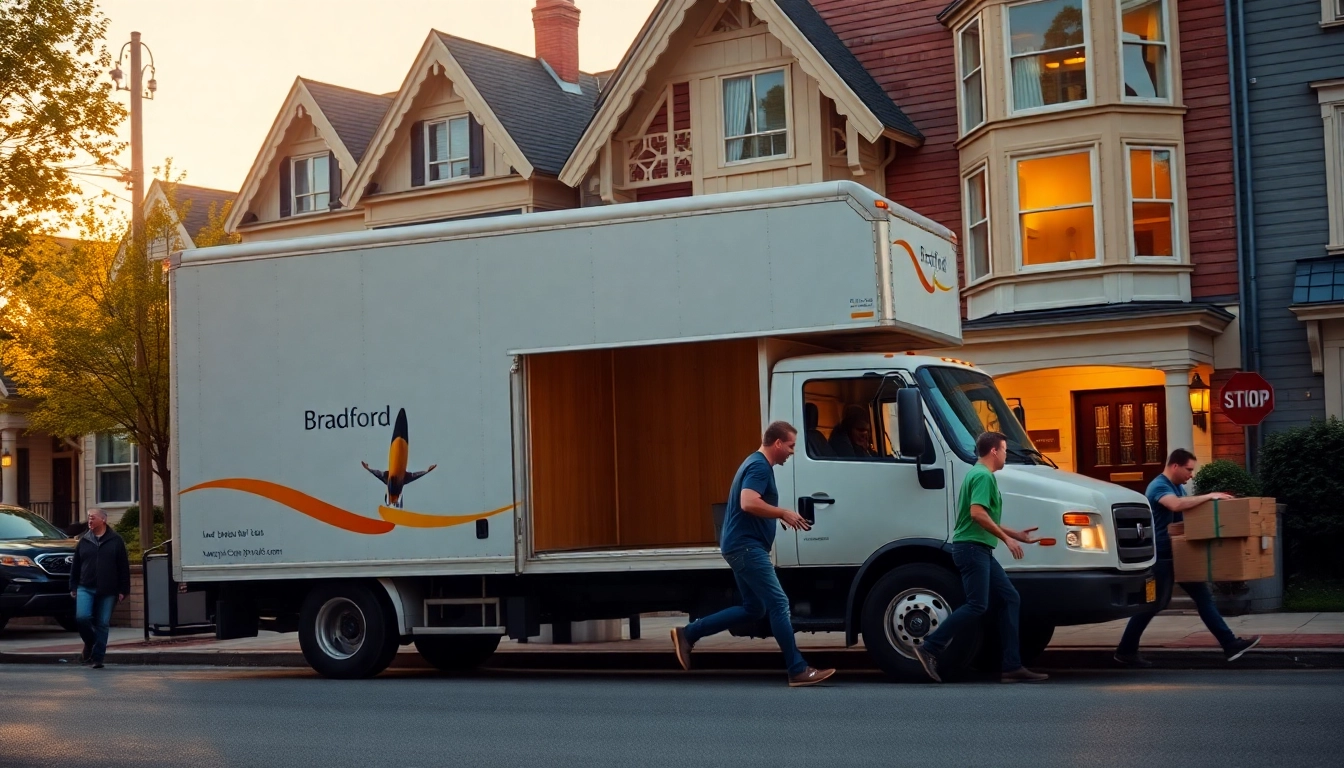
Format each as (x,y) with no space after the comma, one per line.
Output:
(140,716)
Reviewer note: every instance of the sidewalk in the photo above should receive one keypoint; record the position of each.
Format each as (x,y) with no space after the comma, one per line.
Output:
(1173,640)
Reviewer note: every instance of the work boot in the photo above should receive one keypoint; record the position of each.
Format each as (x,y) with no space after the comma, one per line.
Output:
(809,676)
(86,655)
(1132,660)
(1023,675)
(929,662)
(682,645)
(1240,646)
(97,664)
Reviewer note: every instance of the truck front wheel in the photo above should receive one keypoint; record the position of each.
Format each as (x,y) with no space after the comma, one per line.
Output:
(904,607)
(456,653)
(346,631)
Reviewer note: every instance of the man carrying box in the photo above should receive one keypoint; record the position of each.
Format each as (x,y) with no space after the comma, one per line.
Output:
(1167,498)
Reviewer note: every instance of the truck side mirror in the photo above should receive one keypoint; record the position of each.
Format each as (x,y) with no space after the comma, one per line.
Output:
(910,423)
(1021,414)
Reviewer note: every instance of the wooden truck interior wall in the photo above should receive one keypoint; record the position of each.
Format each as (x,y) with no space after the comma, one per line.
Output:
(632,447)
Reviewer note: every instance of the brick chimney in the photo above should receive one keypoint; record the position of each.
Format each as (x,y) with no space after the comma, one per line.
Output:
(556,23)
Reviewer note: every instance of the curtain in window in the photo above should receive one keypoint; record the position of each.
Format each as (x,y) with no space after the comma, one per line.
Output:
(736,114)
(1137,78)
(1027,83)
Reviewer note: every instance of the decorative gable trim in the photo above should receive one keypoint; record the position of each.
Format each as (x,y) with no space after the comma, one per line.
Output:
(434,57)
(157,196)
(298,103)
(648,49)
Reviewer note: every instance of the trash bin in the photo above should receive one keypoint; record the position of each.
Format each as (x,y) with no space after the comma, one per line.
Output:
(168,609)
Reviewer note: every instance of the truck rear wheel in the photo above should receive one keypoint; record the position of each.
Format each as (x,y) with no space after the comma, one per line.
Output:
(904,607)
(456,653)
(346,631)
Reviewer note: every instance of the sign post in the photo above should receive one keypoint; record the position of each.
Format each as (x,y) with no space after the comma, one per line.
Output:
(1246,399)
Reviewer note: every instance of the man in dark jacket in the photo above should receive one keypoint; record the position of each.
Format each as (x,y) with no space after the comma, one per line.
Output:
(100,577)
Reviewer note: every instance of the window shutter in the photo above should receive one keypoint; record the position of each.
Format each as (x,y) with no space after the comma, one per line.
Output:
(333,181)
(418,154)
(476,142)
(285,193)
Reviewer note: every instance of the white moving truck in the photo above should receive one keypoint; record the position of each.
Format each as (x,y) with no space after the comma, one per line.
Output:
(449,433)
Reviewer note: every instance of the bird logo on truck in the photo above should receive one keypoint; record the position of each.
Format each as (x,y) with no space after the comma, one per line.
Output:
(396,477)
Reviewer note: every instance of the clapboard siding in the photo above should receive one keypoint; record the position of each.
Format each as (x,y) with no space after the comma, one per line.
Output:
(1286,51)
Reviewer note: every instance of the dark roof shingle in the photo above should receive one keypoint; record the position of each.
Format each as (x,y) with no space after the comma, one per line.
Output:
(543,119)
(355,115)
(200,199)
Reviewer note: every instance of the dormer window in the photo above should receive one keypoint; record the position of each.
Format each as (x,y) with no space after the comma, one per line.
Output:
(1047,54)
(756,116)
(311,182)
(447,149)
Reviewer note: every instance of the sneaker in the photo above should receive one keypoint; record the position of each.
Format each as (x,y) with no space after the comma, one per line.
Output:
(1023,675)
(929,662)
(1240,646)
(96,665)
(809,676)
(86,655)
(682,646)
(1132,660)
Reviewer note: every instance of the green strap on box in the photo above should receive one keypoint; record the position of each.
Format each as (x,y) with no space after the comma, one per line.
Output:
(1217,526)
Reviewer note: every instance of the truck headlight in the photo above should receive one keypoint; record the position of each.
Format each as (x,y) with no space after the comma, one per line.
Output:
(1084,531)
(17,561)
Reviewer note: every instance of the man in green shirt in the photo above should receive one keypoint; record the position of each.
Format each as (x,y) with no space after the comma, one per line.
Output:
(979,509)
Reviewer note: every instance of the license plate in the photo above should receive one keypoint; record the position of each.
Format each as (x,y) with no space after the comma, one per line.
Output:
(1150,591)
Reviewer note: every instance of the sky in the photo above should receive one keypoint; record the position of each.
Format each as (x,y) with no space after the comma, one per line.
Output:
(224,68)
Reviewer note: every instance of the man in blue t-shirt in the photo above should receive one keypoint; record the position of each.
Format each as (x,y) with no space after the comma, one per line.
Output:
(1166,495)
(748,534)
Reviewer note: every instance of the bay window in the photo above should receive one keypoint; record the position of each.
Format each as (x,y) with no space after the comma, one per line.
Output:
(972,77)
(1056,209)
(1152,203)
(1047,53)
(977,226)
(1143,49)
(755,116)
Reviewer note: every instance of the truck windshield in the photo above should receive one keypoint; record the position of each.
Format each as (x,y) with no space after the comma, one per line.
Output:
(966,403)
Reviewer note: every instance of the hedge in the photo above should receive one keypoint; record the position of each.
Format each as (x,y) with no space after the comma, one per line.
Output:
(1304,469)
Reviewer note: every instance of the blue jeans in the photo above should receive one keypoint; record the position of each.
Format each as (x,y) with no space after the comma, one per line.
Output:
(1165,574)
(93,614)
(984,582)
(761,595)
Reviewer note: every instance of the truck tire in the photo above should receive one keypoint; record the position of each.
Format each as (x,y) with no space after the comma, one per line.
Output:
(346,631)
(904,607)
(1034,636)
(456,653)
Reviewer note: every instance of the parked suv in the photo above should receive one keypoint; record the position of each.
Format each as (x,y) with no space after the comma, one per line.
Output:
(35,558)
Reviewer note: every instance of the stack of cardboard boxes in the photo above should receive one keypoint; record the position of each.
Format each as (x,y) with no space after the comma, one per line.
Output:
(1230,540)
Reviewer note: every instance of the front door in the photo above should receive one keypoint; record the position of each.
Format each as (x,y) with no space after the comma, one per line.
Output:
(62,486)
(847,470)
(1122,435)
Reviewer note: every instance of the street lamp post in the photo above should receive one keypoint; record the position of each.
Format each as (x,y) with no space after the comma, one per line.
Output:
(140,260)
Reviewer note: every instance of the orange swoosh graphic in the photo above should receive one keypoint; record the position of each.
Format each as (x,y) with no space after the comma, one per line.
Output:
(418,520)
(300,502)
(930,287)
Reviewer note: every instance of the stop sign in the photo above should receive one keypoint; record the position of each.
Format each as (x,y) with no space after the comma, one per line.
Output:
(1246,399)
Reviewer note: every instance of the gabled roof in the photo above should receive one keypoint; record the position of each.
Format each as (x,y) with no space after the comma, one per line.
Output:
(534,117)
(819,52)
(198,201)
(354,115)
(344,131)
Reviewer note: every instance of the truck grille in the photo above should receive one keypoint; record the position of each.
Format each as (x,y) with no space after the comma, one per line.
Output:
(55,564)
(1134,532)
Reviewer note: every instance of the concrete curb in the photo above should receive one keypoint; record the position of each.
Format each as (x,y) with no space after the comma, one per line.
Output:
(654,661)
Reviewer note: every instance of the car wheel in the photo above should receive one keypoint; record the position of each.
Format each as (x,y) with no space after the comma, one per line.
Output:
(456,653)
(346,630)
(904,607)
(68,623)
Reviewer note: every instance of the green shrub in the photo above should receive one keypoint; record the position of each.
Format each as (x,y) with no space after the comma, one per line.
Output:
(130,519)
(1301,468)
(1226,477)
(132,538)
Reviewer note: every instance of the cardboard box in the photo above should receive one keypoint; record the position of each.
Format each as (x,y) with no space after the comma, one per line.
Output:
(1202,560)
(1266,557)
(1231,519)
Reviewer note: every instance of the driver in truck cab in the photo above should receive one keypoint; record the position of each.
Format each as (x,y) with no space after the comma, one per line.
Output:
(979,509)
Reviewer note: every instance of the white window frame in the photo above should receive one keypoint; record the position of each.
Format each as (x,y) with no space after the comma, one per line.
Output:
(963,76)
(429,144)
(1166,47)
(1019,254)
(132,468)
(1008,71)
(1332,13)
(294,185)
(724,138)
(1330,96)
(966,179)
(1177,253)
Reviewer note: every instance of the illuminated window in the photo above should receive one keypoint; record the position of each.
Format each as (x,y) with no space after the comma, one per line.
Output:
(1055,209)
(1152,203)
(977,226)
(1047,53)
(1143,38)
(972,78)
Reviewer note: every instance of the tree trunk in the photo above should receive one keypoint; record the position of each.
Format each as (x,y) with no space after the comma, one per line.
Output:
(165,478)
